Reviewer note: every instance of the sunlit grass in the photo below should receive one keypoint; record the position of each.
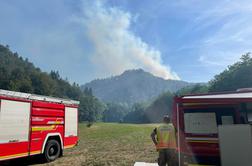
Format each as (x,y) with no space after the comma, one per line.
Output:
(106,144)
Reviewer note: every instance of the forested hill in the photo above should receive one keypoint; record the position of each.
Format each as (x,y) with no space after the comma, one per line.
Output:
(236,76)
(19,74)
(133,86)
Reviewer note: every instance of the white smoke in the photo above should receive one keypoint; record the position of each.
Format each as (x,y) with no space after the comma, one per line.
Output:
(116,48)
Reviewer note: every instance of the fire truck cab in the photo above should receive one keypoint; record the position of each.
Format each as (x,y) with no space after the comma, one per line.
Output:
(198,119)
(33,124)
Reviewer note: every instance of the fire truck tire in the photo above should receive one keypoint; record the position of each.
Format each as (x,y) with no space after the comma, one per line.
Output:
(52,150)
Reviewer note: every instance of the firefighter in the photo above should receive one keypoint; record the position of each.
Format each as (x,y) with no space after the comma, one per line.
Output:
(164,138)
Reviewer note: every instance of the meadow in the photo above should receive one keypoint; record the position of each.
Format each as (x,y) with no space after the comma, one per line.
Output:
(110,144)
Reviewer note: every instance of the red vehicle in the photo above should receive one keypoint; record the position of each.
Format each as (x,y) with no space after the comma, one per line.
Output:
(33,124)
(197,118)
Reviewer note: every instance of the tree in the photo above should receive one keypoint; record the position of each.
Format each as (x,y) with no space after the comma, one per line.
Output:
(115,112)
(18,74)
(160,107)
(137,115)
(194,89)
(88,91)
(91,109)
(234,77)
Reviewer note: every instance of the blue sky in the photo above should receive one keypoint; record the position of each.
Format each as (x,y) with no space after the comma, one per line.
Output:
(191,40)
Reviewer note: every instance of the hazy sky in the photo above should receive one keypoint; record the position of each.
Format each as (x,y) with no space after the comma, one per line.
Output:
(190,40)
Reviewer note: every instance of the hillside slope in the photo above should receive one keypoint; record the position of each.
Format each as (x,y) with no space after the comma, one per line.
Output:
(132,86)
(236,76)
(18,74)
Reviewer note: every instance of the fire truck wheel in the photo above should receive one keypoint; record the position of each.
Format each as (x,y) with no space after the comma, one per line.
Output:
(52,150)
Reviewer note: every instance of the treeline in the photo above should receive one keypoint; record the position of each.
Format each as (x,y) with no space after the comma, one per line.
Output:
(238,75)
(145,112)
(19,74)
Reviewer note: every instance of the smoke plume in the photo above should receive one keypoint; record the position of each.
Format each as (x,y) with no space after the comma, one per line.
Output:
(115,47)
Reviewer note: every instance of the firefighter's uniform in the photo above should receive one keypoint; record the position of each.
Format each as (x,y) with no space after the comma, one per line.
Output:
(166,144)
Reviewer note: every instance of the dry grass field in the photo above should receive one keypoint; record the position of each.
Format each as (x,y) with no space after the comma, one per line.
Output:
(105,144)
(109,144)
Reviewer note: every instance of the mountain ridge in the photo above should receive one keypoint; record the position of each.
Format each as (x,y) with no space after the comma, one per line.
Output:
(132,86)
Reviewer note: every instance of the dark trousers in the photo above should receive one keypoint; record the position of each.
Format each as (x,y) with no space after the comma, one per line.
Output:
(167,156)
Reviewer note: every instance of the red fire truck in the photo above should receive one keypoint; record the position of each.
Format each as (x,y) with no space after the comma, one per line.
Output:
(33,124)
(197,119)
